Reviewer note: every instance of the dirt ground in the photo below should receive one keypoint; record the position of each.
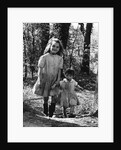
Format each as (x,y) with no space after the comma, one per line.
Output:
(33,117)
(30,120)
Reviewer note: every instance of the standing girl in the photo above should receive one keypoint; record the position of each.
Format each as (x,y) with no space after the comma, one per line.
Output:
(49,72)
(68,96)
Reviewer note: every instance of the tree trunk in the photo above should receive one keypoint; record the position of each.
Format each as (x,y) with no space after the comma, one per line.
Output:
(45,29)
(32,74)
(70,65)
(61,31)
(32,57)
(25,71)
(86,54)
(82,28)
(32,68)
(25,57)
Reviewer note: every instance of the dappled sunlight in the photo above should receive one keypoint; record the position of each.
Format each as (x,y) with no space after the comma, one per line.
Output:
(79,50)
(33,108)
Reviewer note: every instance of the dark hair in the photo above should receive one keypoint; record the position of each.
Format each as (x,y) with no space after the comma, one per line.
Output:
(70,72)
(47,49)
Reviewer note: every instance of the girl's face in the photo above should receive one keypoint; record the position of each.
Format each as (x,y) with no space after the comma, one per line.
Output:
(54,47)
(69,77)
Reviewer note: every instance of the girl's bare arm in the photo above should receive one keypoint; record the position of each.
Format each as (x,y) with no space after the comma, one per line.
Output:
(79,87)
(39,73)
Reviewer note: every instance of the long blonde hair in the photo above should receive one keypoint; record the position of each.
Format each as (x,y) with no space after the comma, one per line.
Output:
(47,49)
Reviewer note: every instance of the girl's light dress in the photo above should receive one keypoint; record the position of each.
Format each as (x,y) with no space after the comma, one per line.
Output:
(68,95)
(50,65)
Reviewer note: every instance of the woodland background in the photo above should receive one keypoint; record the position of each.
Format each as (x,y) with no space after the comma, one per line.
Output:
(80,41)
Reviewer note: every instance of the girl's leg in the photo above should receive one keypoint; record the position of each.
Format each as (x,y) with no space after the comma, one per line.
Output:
(72,112)
(71,109)
(45,105)
(52,106)
(64,111)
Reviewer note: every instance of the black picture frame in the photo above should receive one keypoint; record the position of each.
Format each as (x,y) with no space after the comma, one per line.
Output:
(4,45)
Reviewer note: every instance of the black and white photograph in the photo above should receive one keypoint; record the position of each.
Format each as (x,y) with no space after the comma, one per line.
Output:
(60,74)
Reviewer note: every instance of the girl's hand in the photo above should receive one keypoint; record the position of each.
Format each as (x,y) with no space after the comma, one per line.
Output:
(38,80)
(81,89)
(53,86)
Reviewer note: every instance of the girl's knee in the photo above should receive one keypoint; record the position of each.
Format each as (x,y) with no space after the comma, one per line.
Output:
(64,111)
(53,99)
(71,109)
(45,99)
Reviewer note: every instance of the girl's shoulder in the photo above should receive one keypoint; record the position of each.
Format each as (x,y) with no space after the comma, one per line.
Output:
(63,81)
(44,55)
(74,82)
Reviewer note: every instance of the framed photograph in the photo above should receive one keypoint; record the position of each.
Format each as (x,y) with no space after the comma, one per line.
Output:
(83,110)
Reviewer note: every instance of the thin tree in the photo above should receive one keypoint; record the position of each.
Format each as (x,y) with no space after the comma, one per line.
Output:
(82,28)
(25,46)
(86,53)
(32,58)
(44,35)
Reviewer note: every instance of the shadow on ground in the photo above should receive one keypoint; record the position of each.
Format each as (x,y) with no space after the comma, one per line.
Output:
(33,117)
(31,120)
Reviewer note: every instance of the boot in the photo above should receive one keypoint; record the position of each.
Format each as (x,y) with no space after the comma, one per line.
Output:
(64,112)
(46,108)
(51,109)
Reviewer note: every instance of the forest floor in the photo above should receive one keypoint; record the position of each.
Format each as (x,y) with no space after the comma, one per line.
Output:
(33,108)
